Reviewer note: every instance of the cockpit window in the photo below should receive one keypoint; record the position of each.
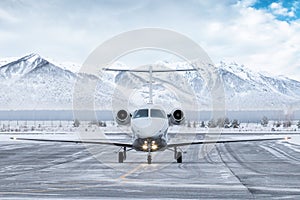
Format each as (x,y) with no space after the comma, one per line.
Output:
(141,113)
(157,113)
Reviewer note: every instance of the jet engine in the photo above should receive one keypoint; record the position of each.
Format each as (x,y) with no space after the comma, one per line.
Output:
(123,117)
(176,117)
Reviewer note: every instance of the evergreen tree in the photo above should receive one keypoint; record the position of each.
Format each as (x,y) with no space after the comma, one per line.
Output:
(278,124)
(76,123)
(226,121)
(202,124)
(264,121)
(235,123)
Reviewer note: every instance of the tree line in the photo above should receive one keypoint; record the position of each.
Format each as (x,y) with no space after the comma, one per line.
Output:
(214,123)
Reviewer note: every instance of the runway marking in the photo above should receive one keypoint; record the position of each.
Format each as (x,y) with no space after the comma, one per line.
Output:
(135,169)
(131,172)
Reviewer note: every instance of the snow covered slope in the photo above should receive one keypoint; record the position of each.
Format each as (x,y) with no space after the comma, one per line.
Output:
(247,89)
(32,82)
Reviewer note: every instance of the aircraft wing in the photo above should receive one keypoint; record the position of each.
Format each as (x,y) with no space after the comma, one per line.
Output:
(119,144)
(224,141)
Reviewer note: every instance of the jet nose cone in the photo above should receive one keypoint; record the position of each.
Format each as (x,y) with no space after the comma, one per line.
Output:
(146,128)
(143,123)
(142,127)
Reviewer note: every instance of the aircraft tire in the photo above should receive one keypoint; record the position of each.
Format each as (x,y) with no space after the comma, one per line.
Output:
(179,157)
(121,157)
(149,159)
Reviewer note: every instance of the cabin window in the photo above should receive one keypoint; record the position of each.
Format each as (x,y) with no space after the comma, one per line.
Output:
(157,113)
(141,113)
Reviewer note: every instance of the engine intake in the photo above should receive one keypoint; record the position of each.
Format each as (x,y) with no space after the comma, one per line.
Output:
(176,117)
(123,117)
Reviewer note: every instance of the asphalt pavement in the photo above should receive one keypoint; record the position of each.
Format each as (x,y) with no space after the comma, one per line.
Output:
(256,170)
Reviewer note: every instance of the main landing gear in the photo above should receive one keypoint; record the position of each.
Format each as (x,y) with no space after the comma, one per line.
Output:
(177,155)
(122,155)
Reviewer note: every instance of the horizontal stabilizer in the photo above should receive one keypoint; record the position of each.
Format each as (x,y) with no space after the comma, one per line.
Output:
(148,71)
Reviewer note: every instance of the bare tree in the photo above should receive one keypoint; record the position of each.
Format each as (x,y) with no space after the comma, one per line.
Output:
(194,124)
(287,123)
(220,122)
(212,124)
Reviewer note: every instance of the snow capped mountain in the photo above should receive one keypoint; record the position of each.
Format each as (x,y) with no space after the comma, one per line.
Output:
(20,67)
(26,66)
(4,61)
(248,89)
(32,82)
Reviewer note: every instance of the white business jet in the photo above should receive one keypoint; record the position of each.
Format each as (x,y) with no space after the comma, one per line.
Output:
(149,126)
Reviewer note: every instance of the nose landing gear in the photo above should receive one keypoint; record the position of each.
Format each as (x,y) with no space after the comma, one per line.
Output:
(149,157)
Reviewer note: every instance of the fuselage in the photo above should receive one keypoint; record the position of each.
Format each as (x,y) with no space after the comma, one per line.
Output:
(149,127)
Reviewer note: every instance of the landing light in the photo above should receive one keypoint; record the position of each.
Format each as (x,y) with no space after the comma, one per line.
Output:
(154,147)
(145,146)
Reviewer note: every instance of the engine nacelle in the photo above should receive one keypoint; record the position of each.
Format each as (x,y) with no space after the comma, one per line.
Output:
(176,117)
(123,117)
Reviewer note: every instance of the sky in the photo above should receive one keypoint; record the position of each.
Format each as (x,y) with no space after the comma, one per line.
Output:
(263,35)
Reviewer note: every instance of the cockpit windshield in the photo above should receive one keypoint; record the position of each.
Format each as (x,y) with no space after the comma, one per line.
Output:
(141,113)
(157,113)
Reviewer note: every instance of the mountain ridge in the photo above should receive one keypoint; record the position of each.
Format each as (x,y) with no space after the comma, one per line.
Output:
(33,82)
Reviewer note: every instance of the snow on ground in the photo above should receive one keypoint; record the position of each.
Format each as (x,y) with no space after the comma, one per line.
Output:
(295,139)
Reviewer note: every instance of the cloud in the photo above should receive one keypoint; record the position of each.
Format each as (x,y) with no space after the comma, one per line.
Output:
(278,9)
(6,17)
(273,41)
(246,3)
(228,30)
(256,38)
